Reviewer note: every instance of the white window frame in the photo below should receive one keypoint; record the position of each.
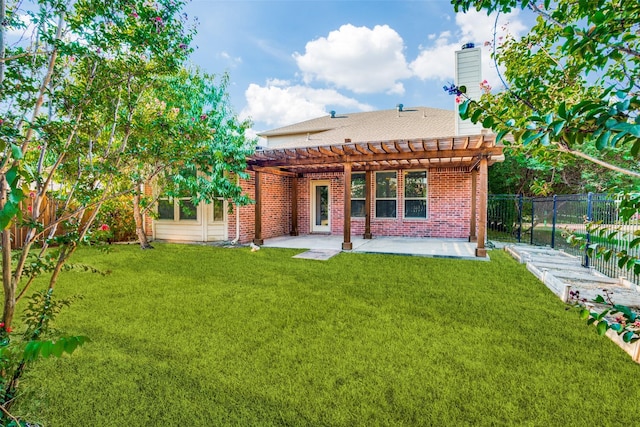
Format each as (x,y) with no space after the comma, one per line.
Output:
(176,210)
(376,198)
(213,218)
(363,199)
(425,198)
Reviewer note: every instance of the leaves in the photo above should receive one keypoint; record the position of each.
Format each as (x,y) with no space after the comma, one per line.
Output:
(553,89)
(45,349)
(623,320)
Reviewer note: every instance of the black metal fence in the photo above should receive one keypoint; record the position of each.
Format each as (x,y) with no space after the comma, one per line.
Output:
(546,221)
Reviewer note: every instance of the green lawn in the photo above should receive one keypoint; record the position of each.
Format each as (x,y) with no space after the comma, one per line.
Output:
(205,336)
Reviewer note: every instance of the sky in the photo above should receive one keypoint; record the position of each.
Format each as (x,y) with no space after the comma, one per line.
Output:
(290,61)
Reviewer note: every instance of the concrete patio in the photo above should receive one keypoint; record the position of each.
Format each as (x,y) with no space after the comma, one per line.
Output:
(426,247)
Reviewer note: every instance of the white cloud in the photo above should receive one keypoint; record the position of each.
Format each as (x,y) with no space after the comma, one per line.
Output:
(278,104)
(233,61)
(478,27)
(437,61)
(278,82)
(359,59)
(19,34)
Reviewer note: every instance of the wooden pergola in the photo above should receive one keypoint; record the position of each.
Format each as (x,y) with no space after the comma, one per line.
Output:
(473,153)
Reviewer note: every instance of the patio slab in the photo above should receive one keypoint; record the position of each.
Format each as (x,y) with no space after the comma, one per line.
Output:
(318,254)
(426,247)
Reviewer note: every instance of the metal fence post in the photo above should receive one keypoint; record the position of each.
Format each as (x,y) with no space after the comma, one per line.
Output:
(519,217)
(553,222)
(589,218)
(533,218)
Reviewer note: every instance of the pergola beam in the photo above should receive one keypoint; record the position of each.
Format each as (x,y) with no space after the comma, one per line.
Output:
(272,171)
(378,157)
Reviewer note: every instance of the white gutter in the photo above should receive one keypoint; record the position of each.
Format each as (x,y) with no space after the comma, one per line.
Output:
(234,241)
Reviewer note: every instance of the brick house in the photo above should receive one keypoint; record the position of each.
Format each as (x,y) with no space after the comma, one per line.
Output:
(413,172)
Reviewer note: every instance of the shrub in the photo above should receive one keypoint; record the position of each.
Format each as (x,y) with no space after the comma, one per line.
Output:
(117,215)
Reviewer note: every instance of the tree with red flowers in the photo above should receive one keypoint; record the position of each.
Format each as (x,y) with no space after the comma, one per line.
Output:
(73,75)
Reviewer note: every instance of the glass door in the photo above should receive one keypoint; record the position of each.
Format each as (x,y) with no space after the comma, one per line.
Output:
(320,207)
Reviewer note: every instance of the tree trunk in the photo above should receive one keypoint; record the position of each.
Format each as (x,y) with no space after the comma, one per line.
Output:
(3,16)
(7,280)
(8,284)
(65,253)
(137,215)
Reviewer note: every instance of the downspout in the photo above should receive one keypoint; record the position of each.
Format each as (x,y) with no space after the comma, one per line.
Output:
(235,241)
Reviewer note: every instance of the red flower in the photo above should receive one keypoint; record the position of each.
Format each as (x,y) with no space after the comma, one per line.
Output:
(134,14)
(104,227)
(1,324)
(32,194)
(29,209)
(8,328)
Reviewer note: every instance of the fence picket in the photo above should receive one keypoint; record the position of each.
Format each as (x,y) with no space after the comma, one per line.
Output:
(551,218)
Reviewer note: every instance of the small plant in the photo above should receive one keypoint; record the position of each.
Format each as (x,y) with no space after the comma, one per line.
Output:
(117,215)
(621,319)
(39,340)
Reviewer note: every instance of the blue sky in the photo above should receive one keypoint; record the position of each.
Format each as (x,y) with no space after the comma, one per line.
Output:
(290,61)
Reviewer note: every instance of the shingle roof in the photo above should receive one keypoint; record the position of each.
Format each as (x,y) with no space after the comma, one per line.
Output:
(384,125)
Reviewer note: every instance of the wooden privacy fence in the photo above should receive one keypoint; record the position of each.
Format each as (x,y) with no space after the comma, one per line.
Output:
(542,221)
(47,216)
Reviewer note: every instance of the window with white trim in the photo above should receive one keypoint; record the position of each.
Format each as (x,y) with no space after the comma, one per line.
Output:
(415,194)
(358,195)
(386,194)
(218,210)
(179,208)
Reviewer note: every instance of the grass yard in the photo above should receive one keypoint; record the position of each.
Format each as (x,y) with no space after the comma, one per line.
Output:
(206,336)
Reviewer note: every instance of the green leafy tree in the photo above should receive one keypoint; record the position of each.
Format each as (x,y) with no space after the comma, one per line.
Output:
(532,172)
(70,85)
(571,82)
(187,126)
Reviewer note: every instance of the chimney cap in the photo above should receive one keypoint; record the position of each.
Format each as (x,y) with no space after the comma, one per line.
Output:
(333,114)
(400,107)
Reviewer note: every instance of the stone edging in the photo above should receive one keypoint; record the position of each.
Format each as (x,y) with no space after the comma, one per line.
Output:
(562,289)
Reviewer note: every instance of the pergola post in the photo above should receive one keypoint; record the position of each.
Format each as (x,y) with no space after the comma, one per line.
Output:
(258,212)
(347,245)
(481,251)
(473,237)
(294,206)
(367,205)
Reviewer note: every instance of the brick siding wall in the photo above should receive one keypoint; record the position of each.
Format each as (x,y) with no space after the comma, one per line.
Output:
(276,208)
(448,207)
